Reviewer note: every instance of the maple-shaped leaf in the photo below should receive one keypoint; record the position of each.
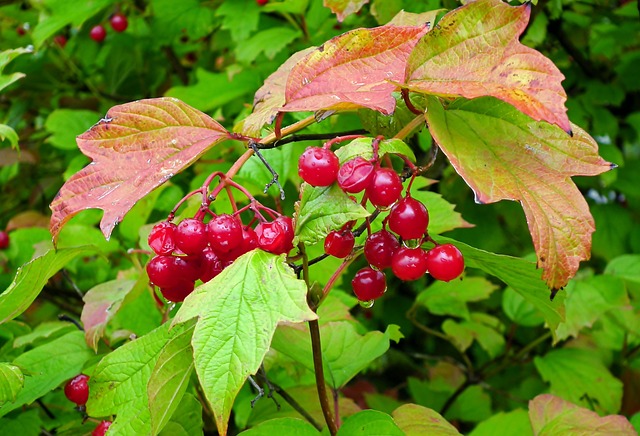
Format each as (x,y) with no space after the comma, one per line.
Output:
(344,8)
(504,155)
(135,148)
(353,70)
(474,51)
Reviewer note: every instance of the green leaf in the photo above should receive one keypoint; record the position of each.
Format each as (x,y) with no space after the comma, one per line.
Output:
(370,423)
(465,332)
(11,382)
(442,216)
(65,124)
(7,133)
(270,42)
(254,175)
(322,210)
(7,79)
(519,310)
(550,415)
(282,426)
(451,298)
(416,420)
(290,6)
(240,17)
(27,423)
(514,423)
(7,56)
(118,386)
(626,267)
(171,18)
(44,331)
(186,420)
(362,147)
(473,405)
(47,366)
(31,278)
(238,312)
(580,377)
(169,379)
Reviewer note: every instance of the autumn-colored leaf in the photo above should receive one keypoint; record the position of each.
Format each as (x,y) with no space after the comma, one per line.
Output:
(135,148)
(474,51)
(344,8)
(353,70)
(504,155)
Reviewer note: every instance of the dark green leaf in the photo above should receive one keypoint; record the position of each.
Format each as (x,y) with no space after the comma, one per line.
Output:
(370,423)
(282,426)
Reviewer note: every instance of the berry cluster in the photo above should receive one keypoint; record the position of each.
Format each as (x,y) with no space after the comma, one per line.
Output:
(194,250)
(400,247)
(77,391)
(119,23)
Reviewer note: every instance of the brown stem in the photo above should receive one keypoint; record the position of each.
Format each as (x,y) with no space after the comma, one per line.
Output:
(314,329)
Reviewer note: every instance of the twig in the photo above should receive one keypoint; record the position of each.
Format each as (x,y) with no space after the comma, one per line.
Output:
(65,317)
(275,176)
(296,406)
(314,329)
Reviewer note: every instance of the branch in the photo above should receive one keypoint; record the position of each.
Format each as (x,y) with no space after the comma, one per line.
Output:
(314,328)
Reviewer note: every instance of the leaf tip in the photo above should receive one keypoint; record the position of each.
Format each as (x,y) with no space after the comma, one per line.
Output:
(554,292)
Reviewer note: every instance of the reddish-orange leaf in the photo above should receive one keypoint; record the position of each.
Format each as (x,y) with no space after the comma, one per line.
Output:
(353,70)
(504,155)
(344,8)
(474,51)
(135,148)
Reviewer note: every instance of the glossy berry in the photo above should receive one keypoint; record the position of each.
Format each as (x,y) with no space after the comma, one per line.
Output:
(318,166)
(339,243)
(4,240)
(379,249)
(98,33)
(179,292)
(60,40)
(445,262)
(101,429)
(385,187)
(77,389)
(171,271)
(191,236)
(161,238)
(249,242)
(277,236)
(409,218)
(119,22)
(211,265)
(369,284)
(355,175)
(224,232)
(409,263)
(20,30)
(262,2)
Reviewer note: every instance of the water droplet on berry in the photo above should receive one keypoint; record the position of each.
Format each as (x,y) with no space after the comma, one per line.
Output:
(366,304)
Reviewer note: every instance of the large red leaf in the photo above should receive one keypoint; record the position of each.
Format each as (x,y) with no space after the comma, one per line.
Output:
(353,70)
(474,51)
(504,155)
(135,148)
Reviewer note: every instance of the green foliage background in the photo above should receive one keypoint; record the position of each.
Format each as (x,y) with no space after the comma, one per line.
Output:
(476,351)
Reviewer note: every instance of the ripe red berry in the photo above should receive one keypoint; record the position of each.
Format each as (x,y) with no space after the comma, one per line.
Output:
(379,249)
(4,240)
(262,2)
(178,292)
(385,187)
(339,243)
(211,265)
(409,218)
(20,30)
(355,175)
(369,284)
(161,238)
(318,166)
(98,33)
(60,40)
(445,262)
(248,243)
(277,236)
(191,236)
(409,263)
(171,271)
(119,22)
(224,232)
(77,389)
(101,429)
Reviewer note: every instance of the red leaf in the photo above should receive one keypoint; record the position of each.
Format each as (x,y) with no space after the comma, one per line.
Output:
(474,51)
(344,8)
(353,70)
(135,148)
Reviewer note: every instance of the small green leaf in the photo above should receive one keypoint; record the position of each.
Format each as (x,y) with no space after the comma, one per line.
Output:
(31,278)
(626,267)
(27,423)
(362,147)
(514,423)
(322,210)
(580,377)
(451,298)
(44,331)
(416,420)
(465,332)
(65,124)
(519,310)
(11,381)
(282,426)
(186,420)
(270,42)
(6,132)
(240,17)
(442,214)
(473,405)
(171,18)
(7,56)
(238,312)
(368,423)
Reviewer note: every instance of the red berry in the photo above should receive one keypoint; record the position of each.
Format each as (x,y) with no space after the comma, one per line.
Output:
(277,236)
(248,243)
(101,429)
(385,187)
(4,240)
(369,284)
(171,271)
(179,292)
(339,243)
(409,263)
(211,265)
(98,33)
(409,218)
(60,40)
(445,262)
(20,30)
(379,249)
(77,389)
(119,22)
(318,166)
(161,238)
(355,175)
(262,2)
(191,236)
(224,232)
